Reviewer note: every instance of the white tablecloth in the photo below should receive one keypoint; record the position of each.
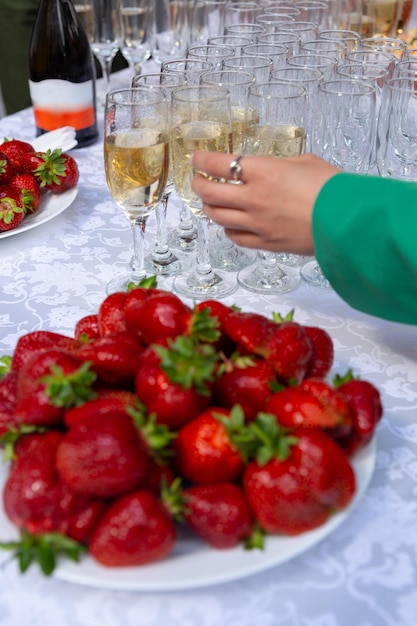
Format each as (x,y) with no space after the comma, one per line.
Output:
(363,574)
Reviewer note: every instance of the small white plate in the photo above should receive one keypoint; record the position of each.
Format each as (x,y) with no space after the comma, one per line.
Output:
(192,563)
(51,206)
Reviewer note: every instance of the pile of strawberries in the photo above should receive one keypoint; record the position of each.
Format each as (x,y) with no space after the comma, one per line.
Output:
(26,174)
(155,415)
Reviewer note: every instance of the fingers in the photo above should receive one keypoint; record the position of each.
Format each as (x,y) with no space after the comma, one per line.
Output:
(216,164)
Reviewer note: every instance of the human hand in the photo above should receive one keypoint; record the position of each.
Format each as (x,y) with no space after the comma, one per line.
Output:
(272,209)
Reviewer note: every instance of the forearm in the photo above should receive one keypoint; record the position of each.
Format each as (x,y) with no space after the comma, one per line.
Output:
(366,250)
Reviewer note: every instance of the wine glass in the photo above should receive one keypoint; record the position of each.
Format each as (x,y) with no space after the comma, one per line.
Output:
(278,130)
(171,30)
(223,252)
(137,31)
(397,130)
(106,37)
(161,260)
(344,135)
(183,237)
(136,162)
(383,16)
(207,20)
(200,120)
(243,12)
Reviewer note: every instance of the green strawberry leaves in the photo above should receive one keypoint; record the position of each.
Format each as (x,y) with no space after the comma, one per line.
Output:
(43,550)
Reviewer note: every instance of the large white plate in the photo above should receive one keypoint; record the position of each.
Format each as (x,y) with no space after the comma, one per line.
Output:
(51,206)
(192,564)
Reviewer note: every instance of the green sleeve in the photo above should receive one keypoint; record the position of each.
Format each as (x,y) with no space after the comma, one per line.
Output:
(365,235)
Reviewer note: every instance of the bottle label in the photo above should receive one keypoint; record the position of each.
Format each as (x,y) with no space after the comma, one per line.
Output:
(58,103)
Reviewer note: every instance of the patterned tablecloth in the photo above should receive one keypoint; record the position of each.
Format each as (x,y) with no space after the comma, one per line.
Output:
(362,574)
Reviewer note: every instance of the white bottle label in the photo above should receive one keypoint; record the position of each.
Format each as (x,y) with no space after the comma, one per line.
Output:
(58,103)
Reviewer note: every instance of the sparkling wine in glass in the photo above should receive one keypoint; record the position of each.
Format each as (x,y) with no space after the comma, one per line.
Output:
(136,158)
(106,37)
(137,19)
(200,120)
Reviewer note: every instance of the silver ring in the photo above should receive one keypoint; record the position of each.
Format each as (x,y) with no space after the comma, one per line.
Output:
(235,168)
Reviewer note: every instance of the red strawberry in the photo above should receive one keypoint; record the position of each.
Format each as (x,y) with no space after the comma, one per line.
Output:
(204,452)
(366,409)
(115,358)
(11,208)
(102,454)
(39,340)
(134,530)
(219,514)
(49,382)
(312,404)
(219,311)
(247,381)
(8,395)
(87,327)
(105,401)
(111,315)
(15,149)
(174,382)
(35,498)
(57,172)
(7,169)
(30,162)
(322,356)
(299,481)
(284,345)
(28,186)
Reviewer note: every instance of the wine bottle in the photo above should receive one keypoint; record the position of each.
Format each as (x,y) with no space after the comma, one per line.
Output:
(62,72)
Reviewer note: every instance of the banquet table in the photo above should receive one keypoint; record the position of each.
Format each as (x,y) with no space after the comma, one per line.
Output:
(363,573)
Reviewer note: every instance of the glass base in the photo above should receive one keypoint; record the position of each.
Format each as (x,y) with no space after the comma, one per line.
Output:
(278,280)
(120,283)
(219,285)
(184,241)
(169,265)
(312,274)
(292,260)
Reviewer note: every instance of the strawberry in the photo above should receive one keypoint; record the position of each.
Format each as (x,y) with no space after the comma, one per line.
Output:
(175,381)
(134,530)
(34,497)
(11,208)
(102,454)
(87,327)
(204,452)
(219,312)
(30,162)
(48,382)
(57,172)
(162,315)
(39,340)
(219,514)
(7,169)
(312,404)
(115,358)
(297,480)
(28,186)
(365,404)
(111,314)
(322,356)
(283,345)
(15,149)
(8,396)
(247,381)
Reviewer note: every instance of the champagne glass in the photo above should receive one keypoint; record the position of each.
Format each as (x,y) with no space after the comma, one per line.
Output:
(183,237)
(278,53)
(277,130)
(106,38)
(224,253)
(200,120)
(171,30)
(305,29)
(241,12)
(212,53)
(349,37)
(161,260)
(344,135)
(397,131)
(383,15)
(136,162)
(292,41)
(137,31)
(207,20)
(245,30)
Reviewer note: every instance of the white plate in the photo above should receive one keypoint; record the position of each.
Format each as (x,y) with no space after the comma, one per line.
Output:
(193,564)
(51,206)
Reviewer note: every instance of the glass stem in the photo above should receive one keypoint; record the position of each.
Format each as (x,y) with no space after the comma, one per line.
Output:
(269,268)
(185,228)
(161,250)
(138,226)
(204,274)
